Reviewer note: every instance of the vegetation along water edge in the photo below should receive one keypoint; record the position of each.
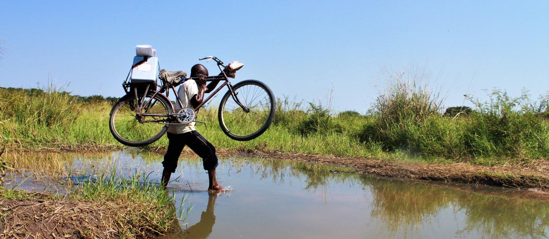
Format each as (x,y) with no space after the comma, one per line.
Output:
(405,134)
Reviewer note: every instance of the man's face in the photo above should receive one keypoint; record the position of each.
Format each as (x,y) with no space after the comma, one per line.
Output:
(202,74)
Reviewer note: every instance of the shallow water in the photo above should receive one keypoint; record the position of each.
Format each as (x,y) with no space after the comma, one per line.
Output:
(275,199)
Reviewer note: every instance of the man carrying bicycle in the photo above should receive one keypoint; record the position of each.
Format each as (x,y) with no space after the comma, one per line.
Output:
(191,95)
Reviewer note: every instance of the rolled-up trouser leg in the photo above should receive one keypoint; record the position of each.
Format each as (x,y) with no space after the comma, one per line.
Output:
(175,146)
(203,148)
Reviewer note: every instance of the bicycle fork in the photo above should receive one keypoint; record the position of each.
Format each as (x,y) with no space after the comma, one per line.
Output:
(235,98)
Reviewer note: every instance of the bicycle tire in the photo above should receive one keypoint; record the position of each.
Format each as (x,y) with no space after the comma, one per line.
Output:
(242,126)
(125,124)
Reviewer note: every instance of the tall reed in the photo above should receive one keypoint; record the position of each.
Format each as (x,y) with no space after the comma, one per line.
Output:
(41,107)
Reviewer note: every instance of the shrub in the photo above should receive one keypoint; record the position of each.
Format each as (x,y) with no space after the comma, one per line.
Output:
(349,114)
(406,104)
(288,114)
(457,111)
(318,120)
(507,126)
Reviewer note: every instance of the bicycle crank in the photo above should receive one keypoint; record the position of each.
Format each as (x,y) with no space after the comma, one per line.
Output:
(185,115)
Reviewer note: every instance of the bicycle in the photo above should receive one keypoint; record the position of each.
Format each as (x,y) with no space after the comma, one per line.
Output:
(143,115)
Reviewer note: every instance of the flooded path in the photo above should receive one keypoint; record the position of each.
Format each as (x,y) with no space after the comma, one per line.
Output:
(276,199)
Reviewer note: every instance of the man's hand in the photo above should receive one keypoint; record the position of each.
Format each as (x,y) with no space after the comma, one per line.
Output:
(201,83)
(230,73)
(197,99)
(232,68)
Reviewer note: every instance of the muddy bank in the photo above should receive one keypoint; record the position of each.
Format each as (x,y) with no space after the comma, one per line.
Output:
(43,216)
(534,176)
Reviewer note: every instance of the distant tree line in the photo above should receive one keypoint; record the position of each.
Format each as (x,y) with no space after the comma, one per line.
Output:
(93,99)
(96,99)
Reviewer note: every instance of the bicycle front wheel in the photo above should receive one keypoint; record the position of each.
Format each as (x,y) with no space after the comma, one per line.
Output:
(257,115)
(139,122)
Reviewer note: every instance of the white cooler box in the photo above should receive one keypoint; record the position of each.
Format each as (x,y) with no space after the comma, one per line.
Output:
(145,66)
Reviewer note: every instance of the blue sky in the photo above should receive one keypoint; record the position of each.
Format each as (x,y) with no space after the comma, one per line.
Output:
(302,49)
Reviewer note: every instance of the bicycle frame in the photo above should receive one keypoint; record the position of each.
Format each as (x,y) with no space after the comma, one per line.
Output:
(226,83)
(148,101)
(166,88)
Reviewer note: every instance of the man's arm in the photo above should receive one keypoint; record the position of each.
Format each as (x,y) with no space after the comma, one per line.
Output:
(197,99)
(213,84)
(203,88)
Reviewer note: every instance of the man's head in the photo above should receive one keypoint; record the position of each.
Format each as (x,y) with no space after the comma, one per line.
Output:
(199,70)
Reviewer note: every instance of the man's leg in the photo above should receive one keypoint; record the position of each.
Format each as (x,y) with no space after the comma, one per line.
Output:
(166,174)
(175,146)
(206,151)
(213,181)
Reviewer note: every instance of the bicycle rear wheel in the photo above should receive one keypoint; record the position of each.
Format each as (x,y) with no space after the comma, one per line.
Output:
(239,124)
(134,127)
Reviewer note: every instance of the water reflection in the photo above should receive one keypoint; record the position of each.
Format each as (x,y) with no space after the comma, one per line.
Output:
(409,209)
(502,217)
(277,199)
(492,214)
(204,227)
(407,205)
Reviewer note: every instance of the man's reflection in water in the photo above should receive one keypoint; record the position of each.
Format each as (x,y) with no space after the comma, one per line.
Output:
(204,227)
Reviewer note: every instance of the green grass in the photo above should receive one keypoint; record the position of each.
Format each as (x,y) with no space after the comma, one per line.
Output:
(148,205)
(7,193)
(132,206)
(405,123)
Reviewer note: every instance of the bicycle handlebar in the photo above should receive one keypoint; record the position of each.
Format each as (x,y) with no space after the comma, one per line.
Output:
(207,58)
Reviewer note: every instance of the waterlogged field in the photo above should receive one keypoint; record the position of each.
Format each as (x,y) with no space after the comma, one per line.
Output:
(276,199)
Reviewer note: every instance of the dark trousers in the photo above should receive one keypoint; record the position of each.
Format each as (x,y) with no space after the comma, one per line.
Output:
(197,143)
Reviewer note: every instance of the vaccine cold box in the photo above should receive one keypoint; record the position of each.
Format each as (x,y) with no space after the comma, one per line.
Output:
(145,69)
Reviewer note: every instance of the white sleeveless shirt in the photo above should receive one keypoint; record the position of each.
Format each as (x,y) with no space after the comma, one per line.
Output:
(186,92)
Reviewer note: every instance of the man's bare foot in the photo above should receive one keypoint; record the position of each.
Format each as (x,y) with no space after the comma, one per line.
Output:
(216,188)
